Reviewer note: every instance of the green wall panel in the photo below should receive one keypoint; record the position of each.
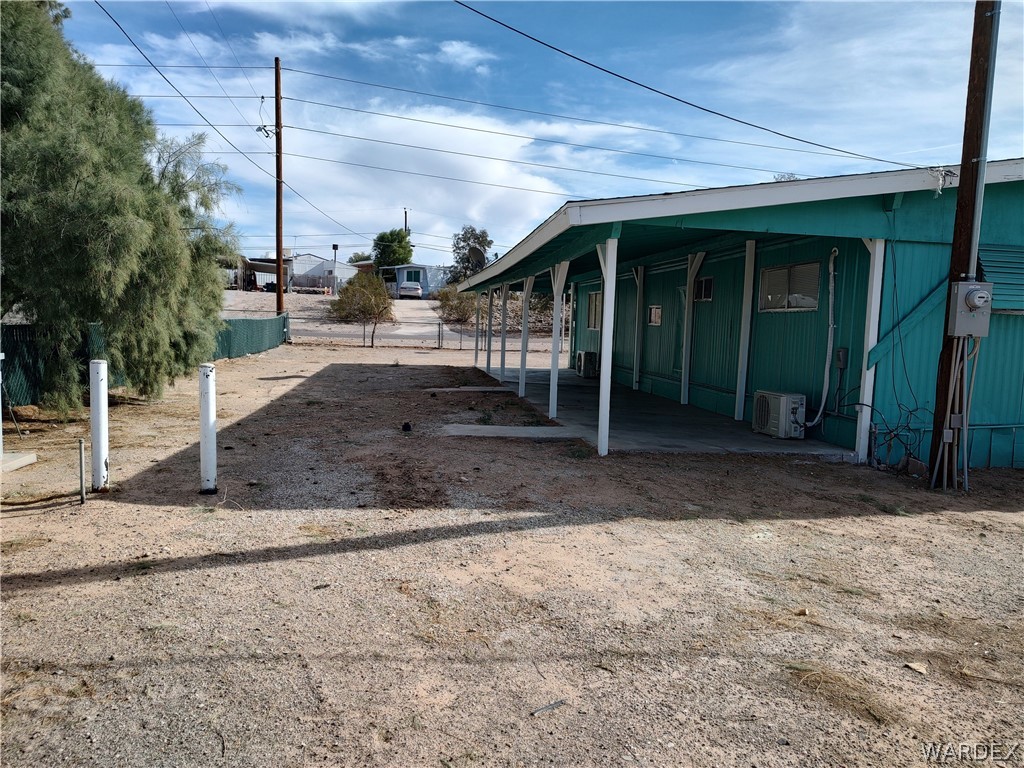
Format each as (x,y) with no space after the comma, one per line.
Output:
(716,335)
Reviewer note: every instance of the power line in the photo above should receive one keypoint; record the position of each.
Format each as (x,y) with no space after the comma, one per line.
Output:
(532,138)
(578,119)
(497,159)
(430,175)
(691,104)
(219,133)
(228,43)
(202,58)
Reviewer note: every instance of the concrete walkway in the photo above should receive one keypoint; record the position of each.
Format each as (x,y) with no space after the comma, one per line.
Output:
(643,422)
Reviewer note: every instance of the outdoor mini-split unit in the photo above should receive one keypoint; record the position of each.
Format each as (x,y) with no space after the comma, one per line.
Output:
(586,365)
(779,414)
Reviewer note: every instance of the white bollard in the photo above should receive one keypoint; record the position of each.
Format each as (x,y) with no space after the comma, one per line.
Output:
(99,426)
(207,428)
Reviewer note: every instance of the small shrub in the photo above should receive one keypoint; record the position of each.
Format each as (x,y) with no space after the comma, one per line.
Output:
(455,307)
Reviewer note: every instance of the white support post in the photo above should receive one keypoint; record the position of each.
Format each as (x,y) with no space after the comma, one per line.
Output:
(99,427)
(696,260)
(745,316)
(504,330)
(608,255)
(525,344)
(207,428)
(490,326)
(558,274)
(476,334)
(639,274)
(876,269)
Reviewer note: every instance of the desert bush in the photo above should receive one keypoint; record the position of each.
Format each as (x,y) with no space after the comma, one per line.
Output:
(456,307)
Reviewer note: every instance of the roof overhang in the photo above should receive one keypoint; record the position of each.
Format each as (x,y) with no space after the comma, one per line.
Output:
(594,218)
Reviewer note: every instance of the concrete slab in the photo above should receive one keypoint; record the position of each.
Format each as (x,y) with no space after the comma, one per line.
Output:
(485,390)
(13,461)
(495,430)
(644,422)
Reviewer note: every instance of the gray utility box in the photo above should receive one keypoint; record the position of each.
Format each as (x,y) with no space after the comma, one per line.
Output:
(970,308)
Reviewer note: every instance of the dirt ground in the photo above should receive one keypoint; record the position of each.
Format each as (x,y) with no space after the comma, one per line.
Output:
(360,595)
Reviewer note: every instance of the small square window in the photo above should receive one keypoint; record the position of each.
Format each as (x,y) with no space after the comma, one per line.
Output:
(654,315)
(594,306)
(795,287)
(703,289)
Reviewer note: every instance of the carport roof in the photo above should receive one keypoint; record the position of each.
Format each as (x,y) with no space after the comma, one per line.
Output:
(650,225)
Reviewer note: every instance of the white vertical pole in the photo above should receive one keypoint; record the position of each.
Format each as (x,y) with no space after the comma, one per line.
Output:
(639,275)
(696,259)
(99,427)
(476,334)
(745,314)
(207,428)
(525,342)
(1,404)
(608,255)
(876,269)
(490,326)
(558,275)
(504,330)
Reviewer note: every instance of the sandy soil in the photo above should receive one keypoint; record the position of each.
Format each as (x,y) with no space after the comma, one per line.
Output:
(359,595)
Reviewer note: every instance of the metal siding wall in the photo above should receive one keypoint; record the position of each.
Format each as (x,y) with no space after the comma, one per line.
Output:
(662,347)
(999,396)
(787,350)
(716,337)
(587,340)
(625,322)
(905,377)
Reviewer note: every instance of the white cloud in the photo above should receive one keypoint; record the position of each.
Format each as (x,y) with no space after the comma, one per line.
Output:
(269,44)
(463,55)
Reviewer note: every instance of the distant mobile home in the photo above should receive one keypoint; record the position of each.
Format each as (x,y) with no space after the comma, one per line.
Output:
(719,294)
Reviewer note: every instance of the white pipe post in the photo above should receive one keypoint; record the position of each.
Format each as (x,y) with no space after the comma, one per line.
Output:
(490,325)
(99,426)
(525,341)
(558,274)
(695,262)
(504,329)
(639,275)
(876,270)
(608,255)
(476,335)
(743,355)
(207,428)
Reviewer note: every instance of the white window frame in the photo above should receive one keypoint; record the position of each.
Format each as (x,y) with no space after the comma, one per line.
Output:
(654,314)
(788,269)
(595,308)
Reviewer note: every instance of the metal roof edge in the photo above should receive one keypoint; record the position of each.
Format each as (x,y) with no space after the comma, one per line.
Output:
(557,223)
(637,208)
(787,192)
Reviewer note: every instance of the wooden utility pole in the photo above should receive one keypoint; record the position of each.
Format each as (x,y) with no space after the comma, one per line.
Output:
(280,187)
(970,193)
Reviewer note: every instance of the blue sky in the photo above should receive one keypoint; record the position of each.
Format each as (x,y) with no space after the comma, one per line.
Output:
(881,79)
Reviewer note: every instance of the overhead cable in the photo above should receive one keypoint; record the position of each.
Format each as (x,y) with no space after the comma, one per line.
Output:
(667,95)
(575,118)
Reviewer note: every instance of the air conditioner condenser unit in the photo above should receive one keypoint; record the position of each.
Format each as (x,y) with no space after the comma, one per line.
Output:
(779,414)
(586,364)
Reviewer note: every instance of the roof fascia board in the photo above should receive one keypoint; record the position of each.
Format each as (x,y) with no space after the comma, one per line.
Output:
(773,194)
(556,224)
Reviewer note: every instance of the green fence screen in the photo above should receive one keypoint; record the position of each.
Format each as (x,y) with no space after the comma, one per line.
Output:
(23,369)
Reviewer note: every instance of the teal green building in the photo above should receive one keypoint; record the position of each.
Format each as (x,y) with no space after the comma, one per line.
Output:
(830,288)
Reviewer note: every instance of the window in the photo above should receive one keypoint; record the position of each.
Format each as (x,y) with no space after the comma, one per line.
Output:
(594,311)
(413,276)
(654,315)
(790,288)
(703,288)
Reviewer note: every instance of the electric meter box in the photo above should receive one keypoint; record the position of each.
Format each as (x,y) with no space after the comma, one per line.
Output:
(970,308)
